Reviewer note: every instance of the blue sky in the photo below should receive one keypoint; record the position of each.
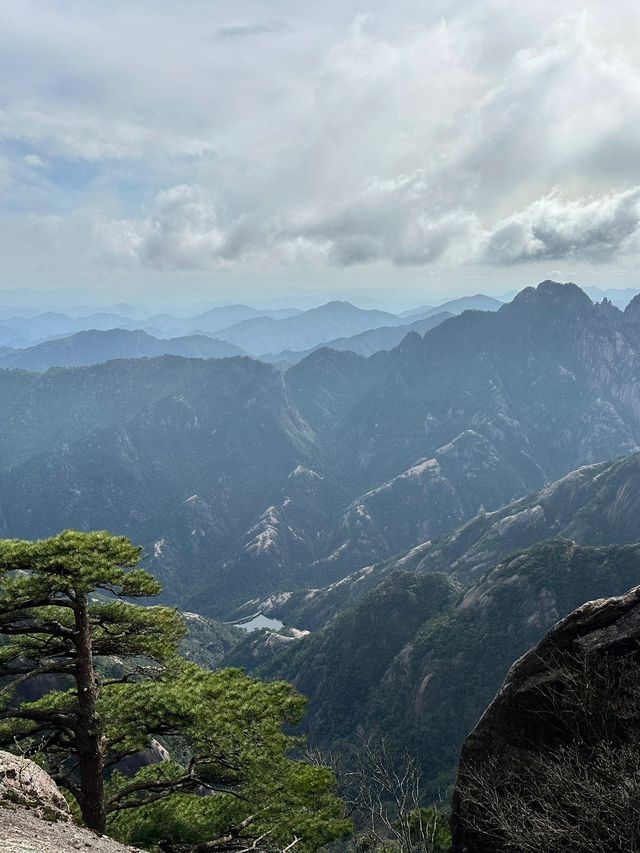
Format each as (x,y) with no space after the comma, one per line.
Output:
(232,150)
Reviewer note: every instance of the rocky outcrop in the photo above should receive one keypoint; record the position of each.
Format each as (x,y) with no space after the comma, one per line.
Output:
(35,817)
(520,724)
(23,783)
(594,505)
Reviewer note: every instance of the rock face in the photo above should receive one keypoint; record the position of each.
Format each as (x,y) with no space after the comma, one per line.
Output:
(22,782)
(35,818)
(595,505)
(515,726)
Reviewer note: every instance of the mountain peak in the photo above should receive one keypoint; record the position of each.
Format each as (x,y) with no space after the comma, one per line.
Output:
(632,311)
(553,296)
(335,306)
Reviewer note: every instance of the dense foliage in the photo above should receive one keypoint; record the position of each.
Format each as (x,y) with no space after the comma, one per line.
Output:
(91,680)
(433,657)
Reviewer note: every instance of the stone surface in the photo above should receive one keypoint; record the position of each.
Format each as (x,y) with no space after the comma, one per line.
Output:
(505,732)
(35,818)
(22,782)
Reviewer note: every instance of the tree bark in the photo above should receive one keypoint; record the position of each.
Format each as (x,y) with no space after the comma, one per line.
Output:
(89,736)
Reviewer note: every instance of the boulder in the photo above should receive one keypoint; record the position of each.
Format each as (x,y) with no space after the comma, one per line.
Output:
(516,726)
(24,783)
(35,817)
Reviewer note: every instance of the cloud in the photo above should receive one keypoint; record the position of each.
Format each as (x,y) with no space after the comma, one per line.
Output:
(554,228)
(76,135)
(34,162)
(390,220)
(437,134)
(181,232)
(258,28)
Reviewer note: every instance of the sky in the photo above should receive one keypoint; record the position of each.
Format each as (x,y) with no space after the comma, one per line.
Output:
(391,153)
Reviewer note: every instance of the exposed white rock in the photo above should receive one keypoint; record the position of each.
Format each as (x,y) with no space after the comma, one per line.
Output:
(35,817)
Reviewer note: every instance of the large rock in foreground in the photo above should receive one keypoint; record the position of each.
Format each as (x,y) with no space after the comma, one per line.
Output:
(35,818)
(525,725)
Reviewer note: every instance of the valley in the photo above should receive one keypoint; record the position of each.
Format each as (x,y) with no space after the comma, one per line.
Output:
(387,533)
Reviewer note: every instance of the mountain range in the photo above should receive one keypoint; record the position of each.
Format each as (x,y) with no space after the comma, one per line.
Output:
(94,347)
(417,518)
(58,340)
(243,481)
(479,302)
(366,343)
(22,331)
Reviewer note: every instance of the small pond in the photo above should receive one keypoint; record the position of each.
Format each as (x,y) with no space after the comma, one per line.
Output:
(259,621)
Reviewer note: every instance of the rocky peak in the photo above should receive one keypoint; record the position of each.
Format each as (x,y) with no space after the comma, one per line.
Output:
(606,308)
(632,311)
(410,343)
(551,297)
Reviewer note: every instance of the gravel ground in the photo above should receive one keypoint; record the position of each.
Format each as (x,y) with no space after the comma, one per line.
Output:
(35,818)
(24,831)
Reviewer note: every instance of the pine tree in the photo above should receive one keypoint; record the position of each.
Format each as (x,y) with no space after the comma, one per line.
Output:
(58,624)
(90,679)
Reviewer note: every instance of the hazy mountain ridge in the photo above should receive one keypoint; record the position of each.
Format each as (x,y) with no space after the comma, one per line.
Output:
(194,458)
(95,346)
(479,302)
(366,343)
(33,327)
(263,335)
(59,340)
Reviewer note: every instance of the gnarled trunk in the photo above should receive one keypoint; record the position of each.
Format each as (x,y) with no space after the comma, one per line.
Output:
(89,736)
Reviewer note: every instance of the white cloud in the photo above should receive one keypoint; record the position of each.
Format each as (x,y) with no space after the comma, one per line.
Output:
(35,162)
(596,229)
(258,28)
(181,232)
(177,138)
(389,220)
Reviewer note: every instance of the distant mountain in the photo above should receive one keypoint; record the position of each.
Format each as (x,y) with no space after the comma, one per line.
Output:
(229,315)
(306,330)
(366,343)
(33,328)
(411,312)
(479,302)
(243,482)
(212,321)
(22,331)
(94,347)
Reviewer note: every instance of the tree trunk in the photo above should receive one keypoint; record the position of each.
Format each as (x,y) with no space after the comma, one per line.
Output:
(89,734)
